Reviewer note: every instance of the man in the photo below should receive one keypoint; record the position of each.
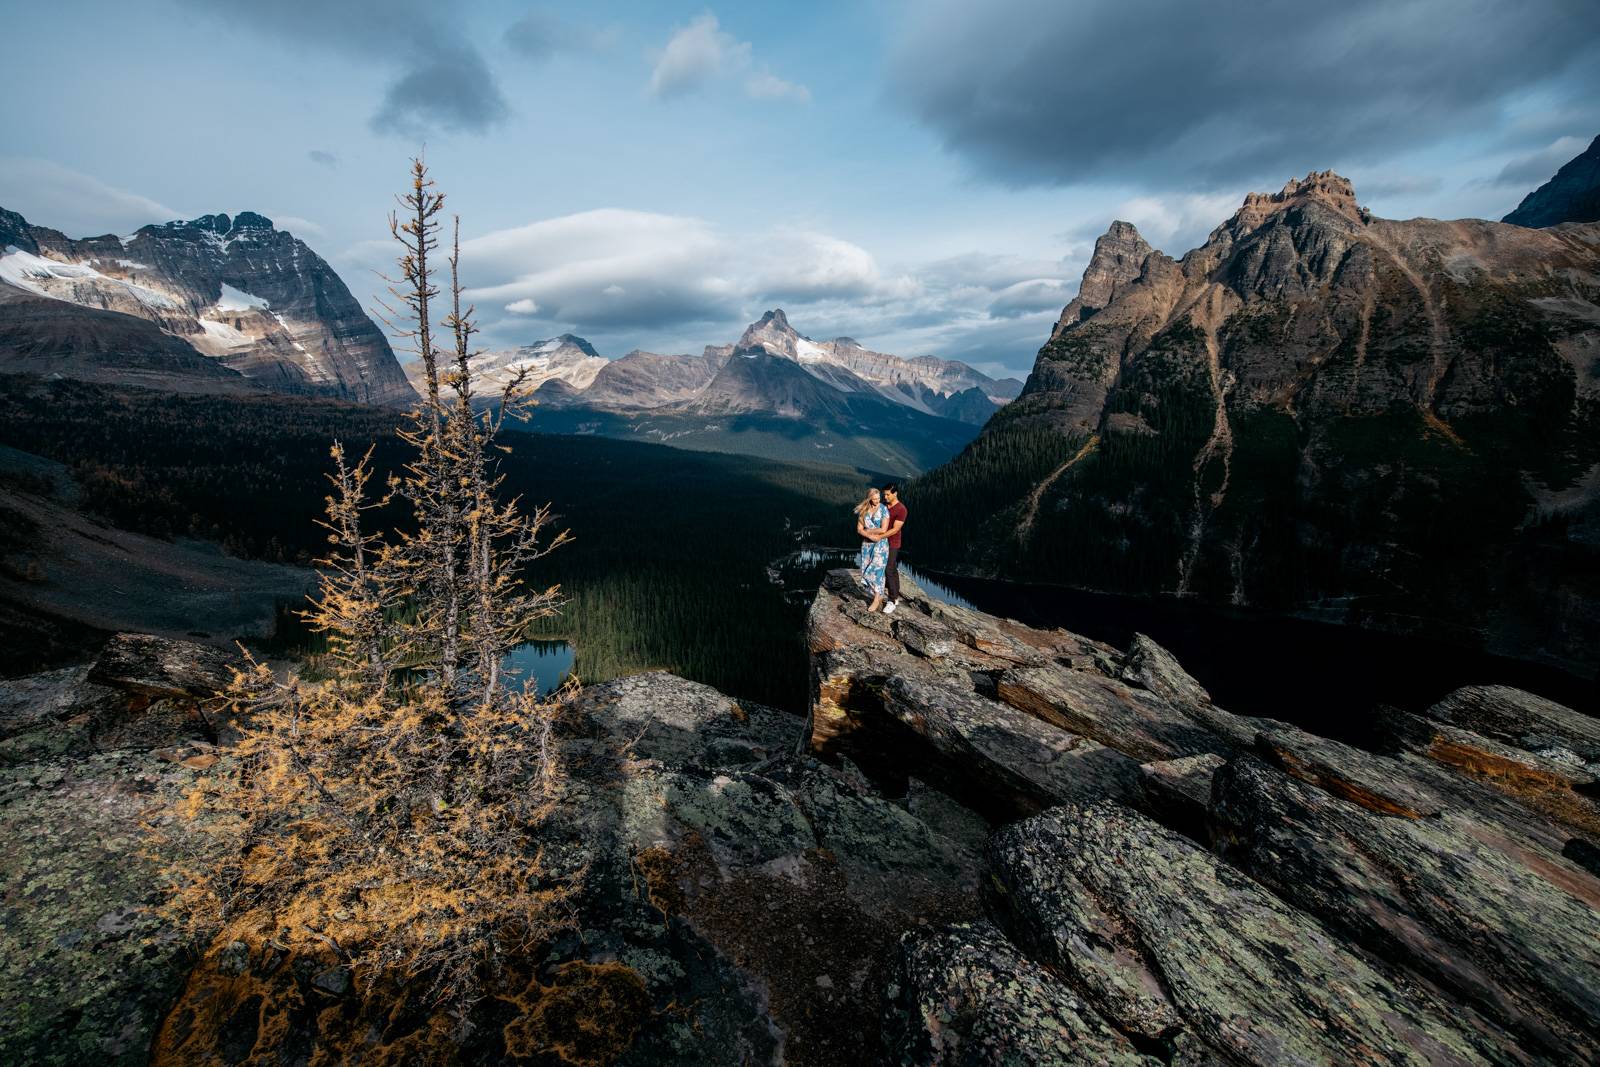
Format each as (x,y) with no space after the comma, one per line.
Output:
(897,520)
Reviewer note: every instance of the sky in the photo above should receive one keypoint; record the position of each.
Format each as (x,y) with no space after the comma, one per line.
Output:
(926,177)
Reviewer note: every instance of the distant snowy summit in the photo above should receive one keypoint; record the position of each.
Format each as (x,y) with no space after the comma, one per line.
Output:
(567,358)
(567,371)
(254,299)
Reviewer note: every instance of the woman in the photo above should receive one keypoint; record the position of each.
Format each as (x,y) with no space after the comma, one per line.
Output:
(872,519)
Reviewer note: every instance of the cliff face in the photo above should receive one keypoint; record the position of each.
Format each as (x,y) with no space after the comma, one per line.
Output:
(256,299)
(1379,422)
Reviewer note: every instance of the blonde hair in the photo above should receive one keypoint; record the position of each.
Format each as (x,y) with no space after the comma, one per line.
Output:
(866,504)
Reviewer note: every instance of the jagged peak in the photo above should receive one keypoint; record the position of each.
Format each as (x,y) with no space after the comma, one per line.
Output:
(774,318)
(1320,186)
(219,224)
(1121,231)
(249,220)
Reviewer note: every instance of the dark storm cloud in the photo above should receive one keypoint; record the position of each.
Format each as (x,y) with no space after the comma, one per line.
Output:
(452,89)
(441,81)
(1178,93)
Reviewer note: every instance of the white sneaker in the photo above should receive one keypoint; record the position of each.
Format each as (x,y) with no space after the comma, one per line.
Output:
(888,609)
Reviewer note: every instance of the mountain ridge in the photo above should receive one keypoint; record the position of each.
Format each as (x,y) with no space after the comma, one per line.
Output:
(253,298)
(1316,411)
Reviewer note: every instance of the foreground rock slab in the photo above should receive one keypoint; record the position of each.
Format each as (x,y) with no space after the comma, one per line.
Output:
(1217,888)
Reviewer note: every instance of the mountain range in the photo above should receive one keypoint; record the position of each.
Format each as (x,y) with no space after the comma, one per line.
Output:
(214,303)
(1391,423)
(774,392)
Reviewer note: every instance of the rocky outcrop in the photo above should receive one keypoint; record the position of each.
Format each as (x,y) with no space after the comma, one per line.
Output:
(1573,195)
(254,298)
(990,844)
(1215,888)
(738,900)
(1383,423)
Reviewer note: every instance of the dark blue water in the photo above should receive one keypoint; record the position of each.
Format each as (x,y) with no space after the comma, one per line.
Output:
(544,663)
(1319,675)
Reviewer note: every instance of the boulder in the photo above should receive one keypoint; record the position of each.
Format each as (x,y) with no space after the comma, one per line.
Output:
(1521,719)
(1164,938)
(964,995)
(163,667)
(1448,896)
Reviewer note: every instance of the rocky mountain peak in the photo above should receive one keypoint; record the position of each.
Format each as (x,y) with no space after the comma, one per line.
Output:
(1319,187)
(254,298)
(772,332)
(574,341)
(14,232)
(249,220)
(776,319)
(1119,258)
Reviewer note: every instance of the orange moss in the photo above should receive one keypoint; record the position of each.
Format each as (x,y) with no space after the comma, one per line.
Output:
(1542,790)
(658,868)
(588,1016)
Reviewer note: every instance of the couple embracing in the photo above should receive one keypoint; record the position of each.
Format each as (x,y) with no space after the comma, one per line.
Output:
(879,520)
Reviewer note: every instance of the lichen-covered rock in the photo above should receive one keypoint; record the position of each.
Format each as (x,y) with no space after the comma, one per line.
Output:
(1163,937)
(1153,667)
(1448,896)
(86,966)
(965,996)
(791,876)
(1137,723)
(163,667)
(661,716)
(1521,719)
(1178,792)
(1562,788)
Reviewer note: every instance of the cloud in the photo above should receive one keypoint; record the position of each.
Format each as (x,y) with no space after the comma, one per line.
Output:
(1036,294)
(615,269)
(451,90)
(765,85)
(702,52)
(628,278)
(49,194)
(298,226)
(441,81)
(540,34)
(326,159)
(1170,93)
(1533,169)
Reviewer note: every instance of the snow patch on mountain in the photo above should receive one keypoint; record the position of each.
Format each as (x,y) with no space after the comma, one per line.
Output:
(238,300)
(44,277)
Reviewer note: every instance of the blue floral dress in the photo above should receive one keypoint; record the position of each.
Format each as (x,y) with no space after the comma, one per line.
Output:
(873,559)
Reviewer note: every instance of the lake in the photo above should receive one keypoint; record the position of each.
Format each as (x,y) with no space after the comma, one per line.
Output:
(545,663)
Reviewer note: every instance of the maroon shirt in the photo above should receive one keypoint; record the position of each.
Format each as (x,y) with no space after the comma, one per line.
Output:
(896,514)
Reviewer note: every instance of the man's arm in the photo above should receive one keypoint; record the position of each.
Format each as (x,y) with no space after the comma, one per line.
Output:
(894,529)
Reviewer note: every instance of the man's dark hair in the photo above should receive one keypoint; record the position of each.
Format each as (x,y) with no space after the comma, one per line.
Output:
(891,487)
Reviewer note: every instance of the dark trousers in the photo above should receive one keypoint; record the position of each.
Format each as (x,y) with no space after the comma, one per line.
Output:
(891,575)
